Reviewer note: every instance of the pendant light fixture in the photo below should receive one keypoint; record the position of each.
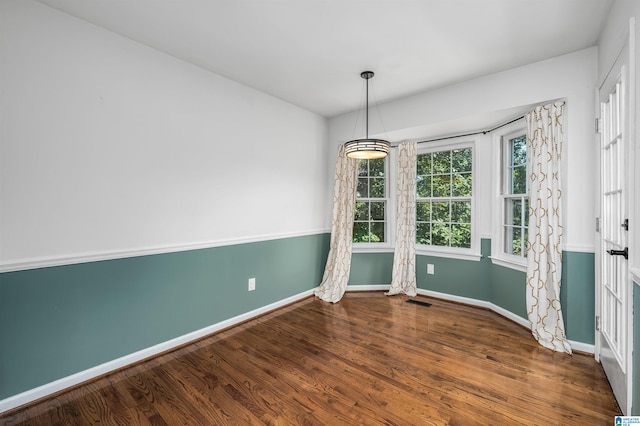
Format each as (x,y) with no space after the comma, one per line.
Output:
(367,149)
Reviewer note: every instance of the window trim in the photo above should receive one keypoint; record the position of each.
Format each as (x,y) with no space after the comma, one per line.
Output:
(498,252)
(472,253)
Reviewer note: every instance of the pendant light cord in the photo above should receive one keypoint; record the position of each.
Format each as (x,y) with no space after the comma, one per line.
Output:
(367,115)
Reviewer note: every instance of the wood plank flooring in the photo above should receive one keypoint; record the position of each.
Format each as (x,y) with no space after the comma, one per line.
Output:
(370,359)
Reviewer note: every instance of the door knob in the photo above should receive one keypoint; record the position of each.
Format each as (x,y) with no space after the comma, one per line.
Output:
(624,252)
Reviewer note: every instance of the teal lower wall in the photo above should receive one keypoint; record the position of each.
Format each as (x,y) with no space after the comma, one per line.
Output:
(58,321)
(465,278)
(577,296)
(61,320)
(371,268)
(504,287)
(508,289)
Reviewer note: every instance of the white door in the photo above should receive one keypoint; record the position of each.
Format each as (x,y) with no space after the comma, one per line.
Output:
(613,280)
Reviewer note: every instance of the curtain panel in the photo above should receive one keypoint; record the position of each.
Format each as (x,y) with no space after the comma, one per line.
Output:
(403,278)
(336,272)
(545,137)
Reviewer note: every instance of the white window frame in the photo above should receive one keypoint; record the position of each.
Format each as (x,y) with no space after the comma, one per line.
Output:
(472,253)
(499,256)
(390,211)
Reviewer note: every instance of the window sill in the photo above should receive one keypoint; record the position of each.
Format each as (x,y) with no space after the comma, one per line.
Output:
(517,264)
(385,248)
(449,254)
(372,248)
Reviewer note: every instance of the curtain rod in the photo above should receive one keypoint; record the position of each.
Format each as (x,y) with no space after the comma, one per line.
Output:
(480,132)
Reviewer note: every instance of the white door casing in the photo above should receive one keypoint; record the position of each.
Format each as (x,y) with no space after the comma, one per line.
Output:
(613,284)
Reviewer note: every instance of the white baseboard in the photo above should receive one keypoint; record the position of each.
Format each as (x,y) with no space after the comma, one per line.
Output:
(99,370)
(582,347)
(479,303)
(369,287)
(578,346)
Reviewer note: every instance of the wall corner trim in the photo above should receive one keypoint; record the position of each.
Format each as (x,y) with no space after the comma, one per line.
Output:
(47,389)
(579,248)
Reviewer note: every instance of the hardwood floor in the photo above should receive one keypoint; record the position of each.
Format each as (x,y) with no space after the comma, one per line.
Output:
(369,359)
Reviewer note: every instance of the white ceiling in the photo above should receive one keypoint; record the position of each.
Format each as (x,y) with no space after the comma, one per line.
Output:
(311,52)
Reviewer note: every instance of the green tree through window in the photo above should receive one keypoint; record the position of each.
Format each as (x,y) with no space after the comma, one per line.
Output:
(371,202)
(443,198)
(515,195)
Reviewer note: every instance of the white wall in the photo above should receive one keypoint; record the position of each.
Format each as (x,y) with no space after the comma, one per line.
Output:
(615,33)
(109,146)
(571,77)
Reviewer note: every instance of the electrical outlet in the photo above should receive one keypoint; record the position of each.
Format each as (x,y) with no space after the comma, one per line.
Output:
(430,269)
(252,284)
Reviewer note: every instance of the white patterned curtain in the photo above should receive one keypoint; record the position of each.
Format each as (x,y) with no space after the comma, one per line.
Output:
(336,271)
(403,278)
(544,257)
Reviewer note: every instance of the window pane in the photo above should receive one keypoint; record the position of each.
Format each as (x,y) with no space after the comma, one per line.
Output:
(376,188)
(377,232)
(461,235)
(519,180)
(508,212)
(462,184)
(461,211)
(362,210)
(440,234)
(423,186)
(516,211)
(517,242)
(519,150)
(423,231)
(441,185)
(363,188)
(377,210)
(442,162)
(441,212)
(461,160)
(369,214)
(443,220)
(516,202)
(423,164)
(363,168)
(508,239)
(376,167)
(423,212)
(361,232)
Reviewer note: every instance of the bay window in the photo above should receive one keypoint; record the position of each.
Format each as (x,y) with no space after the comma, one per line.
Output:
(444,198)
